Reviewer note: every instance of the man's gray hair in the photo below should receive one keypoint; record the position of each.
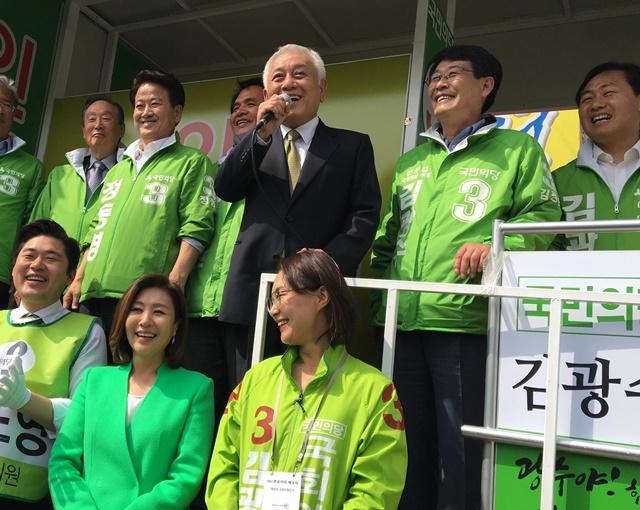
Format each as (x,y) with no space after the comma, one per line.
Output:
(10,85)
(312,54)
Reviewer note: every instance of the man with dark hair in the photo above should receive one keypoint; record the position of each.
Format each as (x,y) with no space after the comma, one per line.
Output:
(207,340)
(71,195)
(44,349)
(155,211)
(212,348)
(244,85)
(21,180)
(168,82)
(316,187)
(603,183)
(445,195)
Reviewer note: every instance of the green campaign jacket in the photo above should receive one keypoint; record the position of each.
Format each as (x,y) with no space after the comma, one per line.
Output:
(356,456)
(439,201)
(21,180)
(142,217)
(585,195)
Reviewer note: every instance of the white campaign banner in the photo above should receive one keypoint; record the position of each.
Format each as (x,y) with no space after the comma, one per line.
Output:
(600,361)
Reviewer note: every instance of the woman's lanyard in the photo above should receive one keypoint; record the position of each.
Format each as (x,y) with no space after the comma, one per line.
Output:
(313,419)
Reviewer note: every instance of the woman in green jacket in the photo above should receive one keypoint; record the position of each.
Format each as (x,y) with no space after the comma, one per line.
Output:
(315,428)
(138,435)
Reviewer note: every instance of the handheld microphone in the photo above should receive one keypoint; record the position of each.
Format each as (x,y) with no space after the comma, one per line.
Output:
(268,117)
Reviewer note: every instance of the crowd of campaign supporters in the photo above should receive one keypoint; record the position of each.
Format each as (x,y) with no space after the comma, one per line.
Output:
(131,277)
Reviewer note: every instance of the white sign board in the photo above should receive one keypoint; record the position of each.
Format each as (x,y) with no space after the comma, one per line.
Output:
(600,361)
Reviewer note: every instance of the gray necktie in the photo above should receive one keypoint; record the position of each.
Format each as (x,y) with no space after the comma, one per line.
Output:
(95,174)
(293,158)
(30,318)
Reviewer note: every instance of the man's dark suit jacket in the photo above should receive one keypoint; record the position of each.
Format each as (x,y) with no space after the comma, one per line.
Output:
(335,207)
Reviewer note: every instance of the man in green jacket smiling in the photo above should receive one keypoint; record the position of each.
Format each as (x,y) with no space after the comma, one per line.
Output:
(156,205)
(71,195)
(603,183)
(445,195)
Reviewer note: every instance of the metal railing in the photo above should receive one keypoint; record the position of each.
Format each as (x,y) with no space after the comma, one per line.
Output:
(489,433)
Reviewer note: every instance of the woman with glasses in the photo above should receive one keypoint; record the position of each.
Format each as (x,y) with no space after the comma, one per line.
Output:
(137,435)
(315,428)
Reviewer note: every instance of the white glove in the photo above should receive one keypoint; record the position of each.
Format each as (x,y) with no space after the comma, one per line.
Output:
(13,390)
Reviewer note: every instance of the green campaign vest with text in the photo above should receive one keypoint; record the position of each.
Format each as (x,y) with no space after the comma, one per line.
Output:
(48,352)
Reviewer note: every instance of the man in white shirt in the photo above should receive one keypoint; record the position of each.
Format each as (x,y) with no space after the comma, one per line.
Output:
(603,183)
(44,349)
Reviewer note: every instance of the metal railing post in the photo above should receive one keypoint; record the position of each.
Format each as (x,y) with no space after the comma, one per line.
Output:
(261,318)
(551,407)
(491,374)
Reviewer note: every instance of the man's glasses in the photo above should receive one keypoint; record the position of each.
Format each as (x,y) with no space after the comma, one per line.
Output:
(6,106)
(449,76)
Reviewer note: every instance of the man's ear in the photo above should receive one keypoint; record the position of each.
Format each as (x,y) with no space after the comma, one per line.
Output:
(323,90)
(178,113)
(71,276)
(487,85)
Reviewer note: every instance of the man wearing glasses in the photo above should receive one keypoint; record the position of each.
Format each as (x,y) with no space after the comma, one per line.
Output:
(21,180)
(445,195)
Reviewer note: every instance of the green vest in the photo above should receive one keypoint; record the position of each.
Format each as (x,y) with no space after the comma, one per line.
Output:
(48,352)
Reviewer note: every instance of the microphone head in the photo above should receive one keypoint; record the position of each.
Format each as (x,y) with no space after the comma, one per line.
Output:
(287,98)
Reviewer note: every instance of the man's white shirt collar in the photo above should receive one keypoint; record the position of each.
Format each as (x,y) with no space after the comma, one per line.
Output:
(600,155)
(48,314)
(306,131)
(140,156)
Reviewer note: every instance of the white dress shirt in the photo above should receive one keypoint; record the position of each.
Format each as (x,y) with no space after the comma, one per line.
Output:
(617,175)
(140,157)
(306,132)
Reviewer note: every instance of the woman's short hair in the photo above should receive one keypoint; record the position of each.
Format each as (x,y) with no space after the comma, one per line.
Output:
(118,342)
(307,271)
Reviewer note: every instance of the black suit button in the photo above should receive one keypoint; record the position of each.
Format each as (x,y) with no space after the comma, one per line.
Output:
(289,218)
(276,256)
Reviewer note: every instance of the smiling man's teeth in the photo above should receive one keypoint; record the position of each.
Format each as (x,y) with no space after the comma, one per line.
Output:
(295,98)
(600,117)
(443,97)
(35,278)
(282,323)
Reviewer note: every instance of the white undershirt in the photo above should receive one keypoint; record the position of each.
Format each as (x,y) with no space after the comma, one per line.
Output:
(133,403)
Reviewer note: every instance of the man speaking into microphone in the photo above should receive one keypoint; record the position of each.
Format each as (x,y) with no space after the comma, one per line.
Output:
(314,187)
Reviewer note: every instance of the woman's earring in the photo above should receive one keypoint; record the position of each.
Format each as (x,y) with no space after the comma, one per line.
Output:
(173,339)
